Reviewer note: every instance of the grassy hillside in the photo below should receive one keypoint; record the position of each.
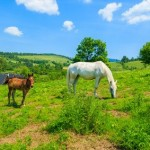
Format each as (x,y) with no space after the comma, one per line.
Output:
(56,58)
(133,65)
(22,63)
(54,119)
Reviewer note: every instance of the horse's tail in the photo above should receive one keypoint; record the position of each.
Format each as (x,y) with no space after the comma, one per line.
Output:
(68,78)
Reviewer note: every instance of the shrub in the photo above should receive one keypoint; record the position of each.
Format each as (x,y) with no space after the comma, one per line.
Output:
(82,115)
(132,135)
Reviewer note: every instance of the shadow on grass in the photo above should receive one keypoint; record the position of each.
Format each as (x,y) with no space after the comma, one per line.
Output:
(15,105)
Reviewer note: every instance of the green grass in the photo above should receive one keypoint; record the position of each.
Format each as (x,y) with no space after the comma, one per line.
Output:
(124,120)
(55,58)
(133,65)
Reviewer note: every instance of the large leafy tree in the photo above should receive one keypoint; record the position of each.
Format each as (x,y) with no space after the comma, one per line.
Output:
(90,50)
(145,53)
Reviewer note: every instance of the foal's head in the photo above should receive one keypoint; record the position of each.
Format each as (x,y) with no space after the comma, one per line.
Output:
(113,88)
(30,81)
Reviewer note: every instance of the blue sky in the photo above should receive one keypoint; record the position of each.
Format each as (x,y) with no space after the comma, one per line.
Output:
(58,26)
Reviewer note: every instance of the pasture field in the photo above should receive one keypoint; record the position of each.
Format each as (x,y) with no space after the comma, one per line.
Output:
(132,65)
(53,119)
(56,58)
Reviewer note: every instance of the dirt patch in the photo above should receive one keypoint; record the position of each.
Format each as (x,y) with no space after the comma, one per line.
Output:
(33,131)
(52,97)
(147,93)
(36,136)
(89,142)
(119,114)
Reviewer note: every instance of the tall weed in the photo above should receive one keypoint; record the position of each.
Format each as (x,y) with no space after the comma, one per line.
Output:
(83,115)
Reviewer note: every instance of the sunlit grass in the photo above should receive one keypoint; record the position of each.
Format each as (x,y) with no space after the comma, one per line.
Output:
(124,120)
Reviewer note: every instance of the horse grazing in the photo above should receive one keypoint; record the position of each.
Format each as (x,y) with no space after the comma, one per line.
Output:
(15,83)
(90,70)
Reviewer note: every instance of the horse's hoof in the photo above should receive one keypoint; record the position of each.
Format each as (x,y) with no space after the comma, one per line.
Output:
(22,105)
(15,104)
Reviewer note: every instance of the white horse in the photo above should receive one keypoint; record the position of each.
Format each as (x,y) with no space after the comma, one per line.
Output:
(90,70)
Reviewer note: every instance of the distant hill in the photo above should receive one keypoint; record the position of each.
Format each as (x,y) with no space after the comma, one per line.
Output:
(14,56)
(44,56)
(113,60)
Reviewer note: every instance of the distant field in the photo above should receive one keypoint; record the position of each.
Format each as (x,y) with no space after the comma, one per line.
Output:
(117,66)
(55,58)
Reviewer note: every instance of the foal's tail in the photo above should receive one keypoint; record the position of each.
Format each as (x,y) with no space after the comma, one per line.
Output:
(68,78)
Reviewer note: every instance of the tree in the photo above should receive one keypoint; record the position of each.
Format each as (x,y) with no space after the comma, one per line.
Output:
(90,50)
(23,70)
(145,53)
(125,59)
(3,64)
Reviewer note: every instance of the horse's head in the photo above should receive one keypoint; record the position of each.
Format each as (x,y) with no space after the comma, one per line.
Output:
(113,88)
(30,80)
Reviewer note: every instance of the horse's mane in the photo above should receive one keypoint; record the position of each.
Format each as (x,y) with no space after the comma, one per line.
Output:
(107,71)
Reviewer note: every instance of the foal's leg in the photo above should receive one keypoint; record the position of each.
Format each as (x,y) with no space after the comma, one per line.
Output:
(13,96)
(24,95)
(97,80)
(9,94)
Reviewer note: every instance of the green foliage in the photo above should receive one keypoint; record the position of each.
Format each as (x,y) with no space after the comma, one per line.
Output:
(23,63)
(3,64)
(132,135)
(17,146)
(82,115)
(131,65)
(49,146)
(125,59)
(135,133)
(145,53)
(23,70)
(91,50)
(8,125)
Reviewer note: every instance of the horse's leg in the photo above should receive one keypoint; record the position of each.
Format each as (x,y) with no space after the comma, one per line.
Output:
(97,80)
(13,95)
(72,81)
(69,87)
(24,95)
(9,94)
(75,83)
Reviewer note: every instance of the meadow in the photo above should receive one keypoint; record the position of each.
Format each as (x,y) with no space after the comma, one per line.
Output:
(56,58)
(54,119)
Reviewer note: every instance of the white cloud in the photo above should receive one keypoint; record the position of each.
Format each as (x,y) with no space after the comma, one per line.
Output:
(107,12)
(138,13)
(49,7)
(13,31)
(69,25)
(87,1)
